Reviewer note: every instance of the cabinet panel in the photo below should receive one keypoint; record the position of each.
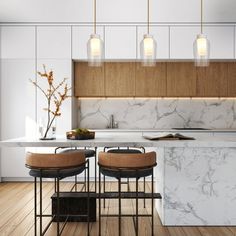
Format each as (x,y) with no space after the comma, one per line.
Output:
(89,81)
(17,42)
(212,80)
(161,35)
(54,42)
(120,79)
(181,41)
(17,97)
(150,81)
(221,41)
(120,42)
(80,37)
(181,79)
(232,79)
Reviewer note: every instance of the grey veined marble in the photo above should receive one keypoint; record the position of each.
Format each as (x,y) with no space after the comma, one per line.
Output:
(158,113)
(199,186)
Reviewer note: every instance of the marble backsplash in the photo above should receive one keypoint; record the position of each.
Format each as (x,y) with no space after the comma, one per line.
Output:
(142,113)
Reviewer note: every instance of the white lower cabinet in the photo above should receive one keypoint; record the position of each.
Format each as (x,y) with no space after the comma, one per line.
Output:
(17,112)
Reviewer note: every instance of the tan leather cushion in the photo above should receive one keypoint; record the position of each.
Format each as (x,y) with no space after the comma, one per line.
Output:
(127,160)
(39,160)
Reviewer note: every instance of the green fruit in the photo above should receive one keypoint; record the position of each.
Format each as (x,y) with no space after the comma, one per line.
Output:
(81,131)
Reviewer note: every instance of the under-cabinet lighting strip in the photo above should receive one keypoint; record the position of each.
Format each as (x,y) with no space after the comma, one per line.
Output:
(159,98)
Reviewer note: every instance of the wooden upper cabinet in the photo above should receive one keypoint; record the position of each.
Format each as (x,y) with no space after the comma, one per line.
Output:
(150,81)
(181,79)
(120,79)
(212,80)
(232,79)
(89,81)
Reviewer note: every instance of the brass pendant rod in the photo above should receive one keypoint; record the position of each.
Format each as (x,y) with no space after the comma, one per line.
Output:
(148,16)
(201,17)
(95,16)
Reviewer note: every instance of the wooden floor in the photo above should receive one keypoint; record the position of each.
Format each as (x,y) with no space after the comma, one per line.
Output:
(16,216)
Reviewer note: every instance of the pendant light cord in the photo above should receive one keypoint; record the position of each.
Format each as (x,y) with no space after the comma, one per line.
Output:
(95,16)
(201,17)
(148,16)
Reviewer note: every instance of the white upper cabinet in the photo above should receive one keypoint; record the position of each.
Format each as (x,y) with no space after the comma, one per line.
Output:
(221,41)
(80,37)
(17,42)
(161,35)
(181,41)
(120,42)
(54,42)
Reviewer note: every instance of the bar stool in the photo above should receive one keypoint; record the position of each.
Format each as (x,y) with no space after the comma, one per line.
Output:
(89,153)
(121,165)
(126,150)
(56,166)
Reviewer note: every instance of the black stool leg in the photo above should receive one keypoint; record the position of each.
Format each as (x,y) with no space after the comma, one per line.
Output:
(95,166)
(99,201)
(136,228)
(40,205)
(58,207)
(152,204)
(144,190)
(119,189)
(104,189)
(75,183)
(88,202)
(35,206)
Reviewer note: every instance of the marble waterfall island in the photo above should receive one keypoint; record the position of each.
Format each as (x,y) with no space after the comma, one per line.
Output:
(197,179)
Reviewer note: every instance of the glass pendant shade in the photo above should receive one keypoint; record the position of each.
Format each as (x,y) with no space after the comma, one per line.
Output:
(201,50)
(95,50)
(148,50)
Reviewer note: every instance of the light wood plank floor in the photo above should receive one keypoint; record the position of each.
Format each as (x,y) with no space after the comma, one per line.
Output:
(16,215)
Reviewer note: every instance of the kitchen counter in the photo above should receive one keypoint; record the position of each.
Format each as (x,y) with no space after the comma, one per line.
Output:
(196,178)
(126,139)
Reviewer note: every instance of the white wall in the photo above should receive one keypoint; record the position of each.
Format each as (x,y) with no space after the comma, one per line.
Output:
(116,11)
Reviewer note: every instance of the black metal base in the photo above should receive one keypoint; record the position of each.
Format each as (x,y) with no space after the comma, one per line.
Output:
(74,203)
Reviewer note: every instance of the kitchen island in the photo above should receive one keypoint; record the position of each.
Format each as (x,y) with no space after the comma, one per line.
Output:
(197,179)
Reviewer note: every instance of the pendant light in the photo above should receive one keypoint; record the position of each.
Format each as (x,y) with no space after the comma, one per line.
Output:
(201,46)
(148,45)
(95,45)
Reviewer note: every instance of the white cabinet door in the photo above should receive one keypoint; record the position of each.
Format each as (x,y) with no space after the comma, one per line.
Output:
(17,98)
(221,41)
(80,37)
(120,42)
(61,70)
(161,35)
(54,42)
(17,42)
(181,41)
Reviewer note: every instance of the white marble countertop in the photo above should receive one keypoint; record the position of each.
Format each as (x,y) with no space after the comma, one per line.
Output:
(223,130)
(134,140)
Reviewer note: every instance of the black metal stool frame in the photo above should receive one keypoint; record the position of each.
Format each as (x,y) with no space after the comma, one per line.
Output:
(119,171)
(84,182)
(127,182)
(57,215)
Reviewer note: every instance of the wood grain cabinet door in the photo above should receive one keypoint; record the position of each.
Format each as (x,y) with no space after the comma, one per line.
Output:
(212,80)
(89,81)
(150,81)
(120,79)
(232,79)
(181,79)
